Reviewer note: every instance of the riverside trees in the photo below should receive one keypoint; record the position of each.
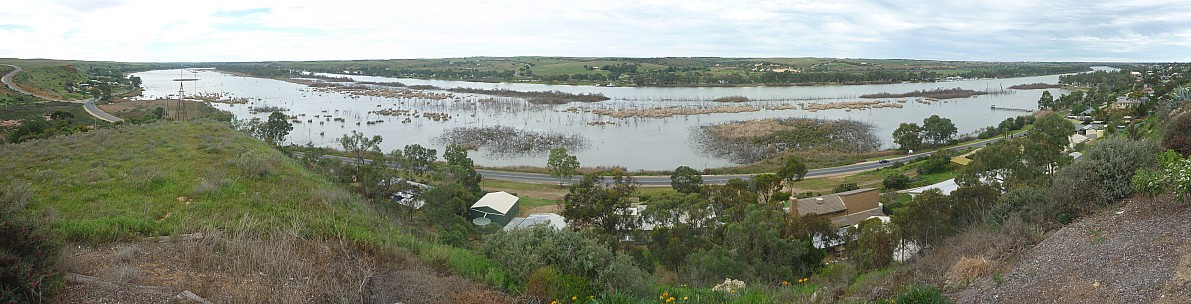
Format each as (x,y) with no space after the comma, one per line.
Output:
(935,130)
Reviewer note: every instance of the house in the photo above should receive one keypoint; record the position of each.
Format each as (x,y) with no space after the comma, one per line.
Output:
(946,187)
(1075,139)
(545,219)
(408,196)
(497,207)
(1123,102)
(844,208)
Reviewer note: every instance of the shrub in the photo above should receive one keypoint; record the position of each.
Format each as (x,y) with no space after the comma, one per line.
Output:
(922,295)
(524,251)
(547,283)
(253,165)
(623,276)
(967,269)
(845,187)
(896,181)
(1102,175)
(28,250)
(1177,137)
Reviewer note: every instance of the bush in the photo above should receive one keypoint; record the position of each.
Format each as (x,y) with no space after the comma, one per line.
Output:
(524,251)
(253,165)
(922,295)
(28,250)
(895,182)
(1177,137)
(623,276)
(1103,175)
(845,187)
(547,283)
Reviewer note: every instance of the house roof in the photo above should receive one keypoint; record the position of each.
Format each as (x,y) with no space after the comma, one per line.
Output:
(500,201)
(856,218)
(820,205)
(1076,138)
(550,219)
(944,186)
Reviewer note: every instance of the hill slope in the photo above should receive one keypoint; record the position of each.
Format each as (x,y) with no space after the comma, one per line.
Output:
(1138,253)
(270,230)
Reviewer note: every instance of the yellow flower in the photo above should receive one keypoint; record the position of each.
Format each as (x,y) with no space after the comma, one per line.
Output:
(554,302)
(573,298)
(785,282)
(684,298)
(671,299)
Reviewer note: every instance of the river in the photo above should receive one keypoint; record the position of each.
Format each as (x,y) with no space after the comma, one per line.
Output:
(635,143)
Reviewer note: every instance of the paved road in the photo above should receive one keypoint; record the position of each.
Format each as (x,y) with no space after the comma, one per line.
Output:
(722,179)
(658,181)
(88,105)
(7,79)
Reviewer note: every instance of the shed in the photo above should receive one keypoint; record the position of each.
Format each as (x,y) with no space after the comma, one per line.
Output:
(498,207)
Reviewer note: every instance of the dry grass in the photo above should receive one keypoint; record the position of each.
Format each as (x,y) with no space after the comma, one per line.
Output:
(967,269)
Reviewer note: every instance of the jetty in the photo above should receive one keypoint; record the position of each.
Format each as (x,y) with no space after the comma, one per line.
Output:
(994,107)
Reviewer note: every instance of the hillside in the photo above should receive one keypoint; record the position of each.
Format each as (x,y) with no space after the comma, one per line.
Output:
(1138,252)
(258,226)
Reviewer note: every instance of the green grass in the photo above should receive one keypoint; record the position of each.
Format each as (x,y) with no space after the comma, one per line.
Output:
(536,202)
(124,183)
(515,186)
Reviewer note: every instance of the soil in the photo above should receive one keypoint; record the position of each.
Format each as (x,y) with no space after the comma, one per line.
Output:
(1139,252)
(149,272)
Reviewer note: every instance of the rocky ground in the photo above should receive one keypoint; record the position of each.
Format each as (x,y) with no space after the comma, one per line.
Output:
(1138,253)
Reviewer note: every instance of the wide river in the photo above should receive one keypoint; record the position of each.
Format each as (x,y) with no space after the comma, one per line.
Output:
(635,143)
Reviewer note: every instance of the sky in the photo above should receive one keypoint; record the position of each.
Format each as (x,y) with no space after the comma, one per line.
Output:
(245,30)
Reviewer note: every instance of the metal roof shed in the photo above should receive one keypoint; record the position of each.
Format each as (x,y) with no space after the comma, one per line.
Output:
(500,207)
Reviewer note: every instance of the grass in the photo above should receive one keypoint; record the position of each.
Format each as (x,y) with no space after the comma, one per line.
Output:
(134,181)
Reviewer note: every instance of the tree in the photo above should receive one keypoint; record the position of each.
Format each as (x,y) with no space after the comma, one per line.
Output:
(686,180)
(276,128)
(874,244)
(968,204)
(925,219)
(908,136)
(937,129)
(562,166)
(462,167)
(591,203)
(765,185)
(1047,101)
(793,170)
(1046,143)
(997,165)
(364,152)
(418,159)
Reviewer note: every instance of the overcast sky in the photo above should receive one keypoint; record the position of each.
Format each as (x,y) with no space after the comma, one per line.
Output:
(218,30)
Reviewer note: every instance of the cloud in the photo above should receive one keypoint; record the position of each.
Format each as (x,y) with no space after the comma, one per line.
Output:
(228,30)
